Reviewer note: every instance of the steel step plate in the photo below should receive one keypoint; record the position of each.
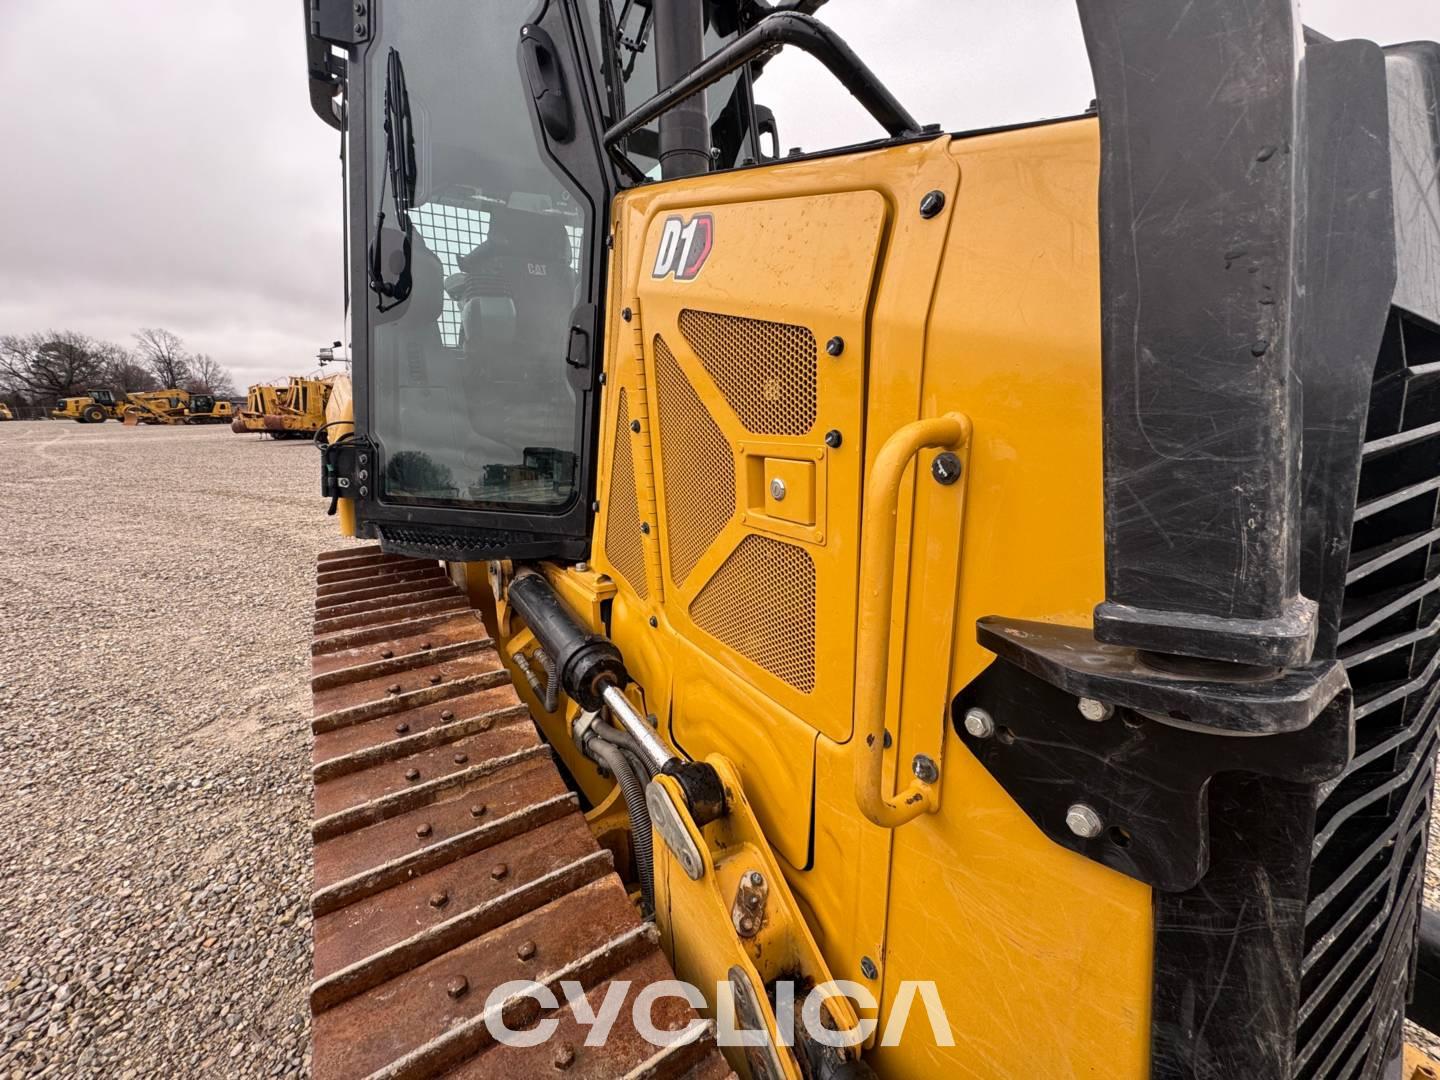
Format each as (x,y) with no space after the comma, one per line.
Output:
(451,858)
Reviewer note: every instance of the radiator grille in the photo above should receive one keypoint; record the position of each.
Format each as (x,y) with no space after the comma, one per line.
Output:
(1368,856)
(766,370)
(622,523)
(699,467)
(761,603)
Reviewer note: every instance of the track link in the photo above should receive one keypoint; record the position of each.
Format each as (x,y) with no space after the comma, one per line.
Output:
(451,858)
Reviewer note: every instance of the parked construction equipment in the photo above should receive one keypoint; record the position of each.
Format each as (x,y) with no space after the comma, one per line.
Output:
(906,566)
(93,407)
(294,411)
(176,406)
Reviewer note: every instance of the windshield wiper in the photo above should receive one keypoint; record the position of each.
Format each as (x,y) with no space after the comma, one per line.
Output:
(400,172)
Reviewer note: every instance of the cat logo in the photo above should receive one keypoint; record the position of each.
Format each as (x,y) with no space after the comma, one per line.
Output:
(684,246)
(536,269)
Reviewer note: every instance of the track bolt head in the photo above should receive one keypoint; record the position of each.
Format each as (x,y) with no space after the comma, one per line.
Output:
(439,899)
(424,644)
(423,829)
(499,870)
(932,203)
(478,810)
(979,723)
(526,951)
(868,968)
(412,775)
(393,688)
(435,679)
(457,987)
(460,759)
(1083,821)
(486,724)
(386,654)
(447,715)
(564,1056)
(1096,710)
(401,728)
(925,769)
(835,346)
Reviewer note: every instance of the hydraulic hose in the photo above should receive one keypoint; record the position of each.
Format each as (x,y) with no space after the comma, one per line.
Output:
(633,791)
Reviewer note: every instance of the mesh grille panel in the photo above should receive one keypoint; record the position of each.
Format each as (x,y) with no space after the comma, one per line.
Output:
(622,525)
(766,370)
(699,467)
(761,603)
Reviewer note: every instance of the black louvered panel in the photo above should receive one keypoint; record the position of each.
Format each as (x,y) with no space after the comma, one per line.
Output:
(1368,856)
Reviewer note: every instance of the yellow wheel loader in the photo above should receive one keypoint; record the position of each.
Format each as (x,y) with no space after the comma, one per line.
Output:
(93,407)
(958,605)
(5,413)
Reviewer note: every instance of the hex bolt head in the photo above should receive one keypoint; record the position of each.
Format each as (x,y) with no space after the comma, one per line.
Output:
(439,899)
(945,468)
(412,775)
(777,489)
(1093,709)
(478,810)
(1083,821)
(756,878)
(932,203)
(447,715)
(747,925)
(435,678)
(424,644)
(979,723)
(460,759)
(401,728)
(835,346)
(393,688)
(423,829)
(499,870)
(868,968)
(925,769)
(457,986)
(486,723)
(526,950)
(564,1056)
(386,654)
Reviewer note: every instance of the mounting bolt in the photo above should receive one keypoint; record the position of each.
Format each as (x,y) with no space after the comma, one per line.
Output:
(945,468)
(460,759)
(979,723)
(1083,821)
(412,775)
(925,769)
(777,489)
(833,438)
(439,899)
(635,426)
(645,527)
(654,622)
(835,346)
(564,1056)
(582,567)
(478,810)
(359,9)
(499,870)
(423,829)
(386,654)
(447,715)
(1093,709)
(435,679)
(364,491)
(364,459)
(424,644)
(932,203)
(393,688)
(626,314)
(457,986)
(359,28)
(401,728)
(747,925)
(756,878)
(526,950)
(868,968)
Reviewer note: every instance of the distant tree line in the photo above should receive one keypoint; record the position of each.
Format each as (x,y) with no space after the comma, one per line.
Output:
(41,368)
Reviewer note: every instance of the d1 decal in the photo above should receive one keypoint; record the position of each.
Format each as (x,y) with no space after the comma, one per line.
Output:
(684,246)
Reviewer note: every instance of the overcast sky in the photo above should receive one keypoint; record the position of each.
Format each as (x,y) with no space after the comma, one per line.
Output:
(162,166)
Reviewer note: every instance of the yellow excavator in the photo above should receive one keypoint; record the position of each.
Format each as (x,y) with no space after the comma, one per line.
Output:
(962,604)
(294,411)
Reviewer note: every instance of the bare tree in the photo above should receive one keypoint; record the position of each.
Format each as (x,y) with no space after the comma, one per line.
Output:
(125,373)
(47,366)
(208,376)
(164,354)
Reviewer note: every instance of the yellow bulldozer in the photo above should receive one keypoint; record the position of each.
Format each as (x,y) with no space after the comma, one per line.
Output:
(959,605)
(293,411)
(92,407)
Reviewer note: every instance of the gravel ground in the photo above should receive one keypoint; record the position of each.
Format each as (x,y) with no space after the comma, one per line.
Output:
(155,593)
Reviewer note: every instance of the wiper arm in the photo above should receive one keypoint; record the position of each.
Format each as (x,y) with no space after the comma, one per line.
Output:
(400,172)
